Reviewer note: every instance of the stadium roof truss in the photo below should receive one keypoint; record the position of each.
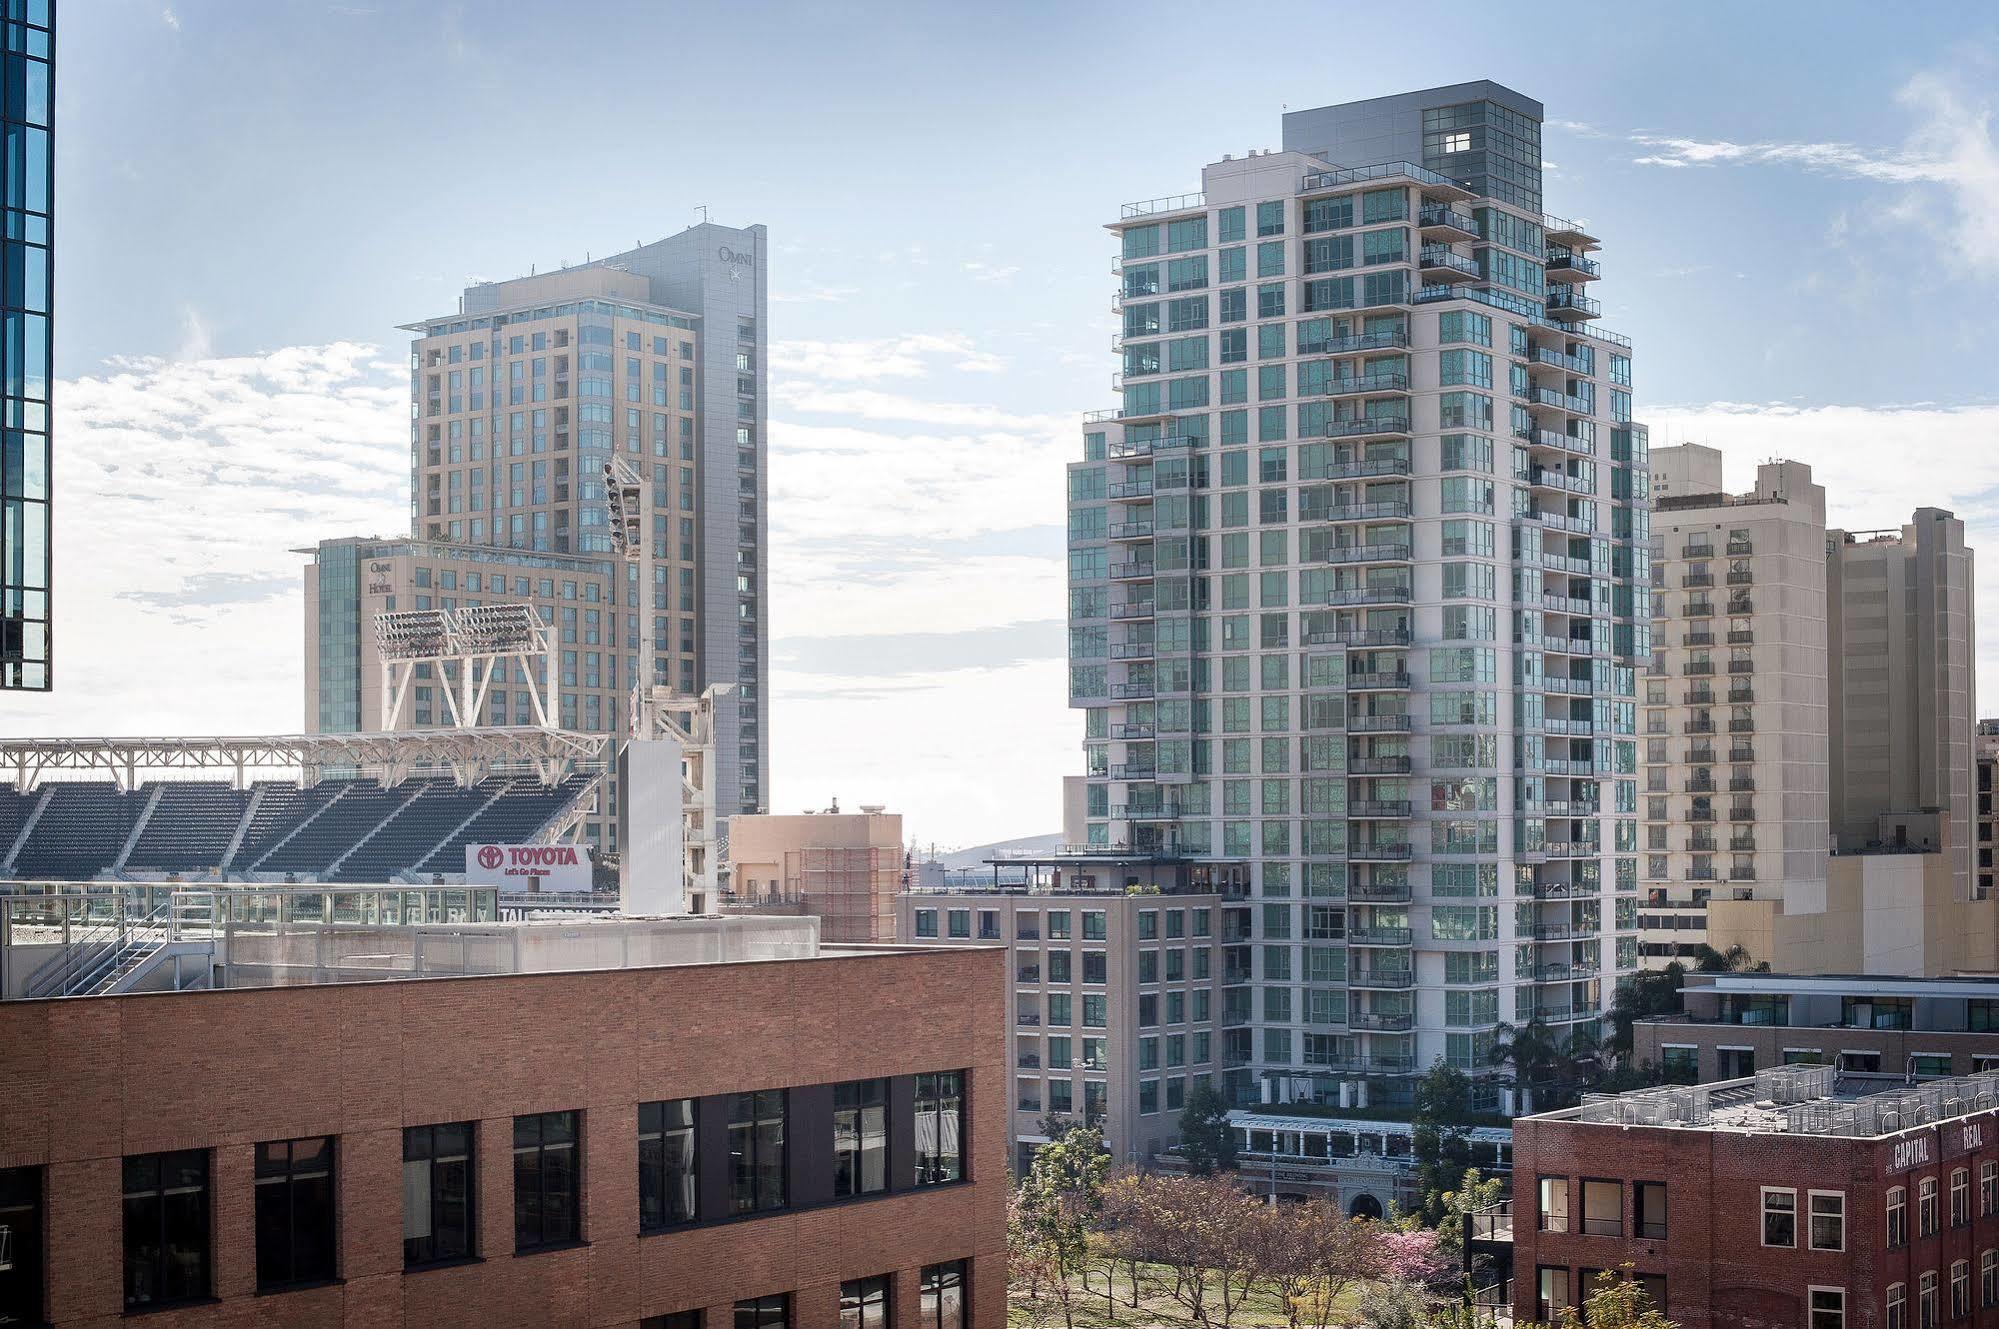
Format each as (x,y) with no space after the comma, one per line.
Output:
(468,755)
(460,650)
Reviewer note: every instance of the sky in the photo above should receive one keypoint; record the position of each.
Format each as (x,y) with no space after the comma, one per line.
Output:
(1799,206)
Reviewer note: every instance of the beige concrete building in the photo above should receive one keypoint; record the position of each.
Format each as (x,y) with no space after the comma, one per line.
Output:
(1887,912)
(846,867)
(1116,1006)
(1735,698)
(1903,716)
(1983,869)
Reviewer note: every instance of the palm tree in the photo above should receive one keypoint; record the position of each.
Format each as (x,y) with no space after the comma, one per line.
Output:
(1530,1049)
(1736,959)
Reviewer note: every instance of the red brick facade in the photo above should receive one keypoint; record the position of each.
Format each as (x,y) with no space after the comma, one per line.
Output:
(1718,1273)
(84,1082)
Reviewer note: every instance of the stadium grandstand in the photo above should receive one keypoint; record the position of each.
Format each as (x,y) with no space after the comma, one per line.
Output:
(373,807)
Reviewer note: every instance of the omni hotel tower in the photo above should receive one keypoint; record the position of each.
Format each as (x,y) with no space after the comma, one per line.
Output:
(1358,590)
(517,401)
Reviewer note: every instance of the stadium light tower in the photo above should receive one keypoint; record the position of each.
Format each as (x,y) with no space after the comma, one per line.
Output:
(463,647)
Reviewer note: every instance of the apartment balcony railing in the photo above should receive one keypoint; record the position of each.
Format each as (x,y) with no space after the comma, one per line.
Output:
(1698,667)
(1378,766)
(1134,609)
(1131,691)
(1378,724)
(1570,302)
(1133,571)
(1698,579)
(1700,786)
(1698,726)
(1379,936)
(1386,510)
(1129,489)
(1700,844)
(1360,341)
(1566,265)
(1741,696)
(1129,771)
(1700,814)
(1379,809)
(1742,784)
(1382,1022)
(1129,732)
(1386,979)
(1364,384)
(1370,595)
(1386,852)
(1366,470)
(1741,636)
(1742,844)
(1374,553)
(1701,637)
(1701,757)
(1372,426)
(1740,577)
(1132,650)
(1358,637)
(1441,217)
(1742,726)
(1440,261)
(1742,752)
(1130,530)
(1696,551)
(1700,697)
(1377,681)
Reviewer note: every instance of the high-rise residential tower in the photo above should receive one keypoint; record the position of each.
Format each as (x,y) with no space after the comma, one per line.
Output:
(518,400)
(1735,700)
(1358,585)
(1899,613)
(27,122)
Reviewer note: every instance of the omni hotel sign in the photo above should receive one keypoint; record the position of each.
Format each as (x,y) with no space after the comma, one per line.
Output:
(735,256)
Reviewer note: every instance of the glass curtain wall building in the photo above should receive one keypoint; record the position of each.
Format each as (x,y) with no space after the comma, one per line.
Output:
(1358,589)
(27,126)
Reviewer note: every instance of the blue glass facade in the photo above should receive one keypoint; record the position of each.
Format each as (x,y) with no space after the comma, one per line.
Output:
(27,116)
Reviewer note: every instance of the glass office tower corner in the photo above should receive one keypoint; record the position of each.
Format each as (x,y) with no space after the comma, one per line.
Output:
(27,120)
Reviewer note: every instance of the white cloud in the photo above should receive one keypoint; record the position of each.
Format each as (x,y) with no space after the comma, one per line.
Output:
(1951,150)
(171,19)
(991,272)
(1878,464)
(813,293)
(907,356)
(180,489)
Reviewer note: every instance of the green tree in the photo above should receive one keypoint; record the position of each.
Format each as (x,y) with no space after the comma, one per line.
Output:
(1616,1302)
(1440,1135)
(1642,996)
(1207,1141)
(1059,1202)
(1475,1191)
(1735,960)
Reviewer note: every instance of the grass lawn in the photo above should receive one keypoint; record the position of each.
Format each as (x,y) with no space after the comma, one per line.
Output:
(1155,1305)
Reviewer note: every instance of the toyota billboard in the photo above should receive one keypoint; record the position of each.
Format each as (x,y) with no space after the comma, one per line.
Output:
(528,867)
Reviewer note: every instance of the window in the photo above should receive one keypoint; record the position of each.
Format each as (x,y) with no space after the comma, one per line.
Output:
(294,1213)
(1960,1289)
(666,1164)
(926,922)
(1960,1196)
(860,1138)
(1780,1217)
(864,1303)
(438,1195)
(1926,1300)
(1554,1204)
(547,1175)
(756,1154)
(21,1215)
(1988,1189)
(943,1305)
(1551,1293)
(940,1127)
(1651,1205)
(1896,1307)
(1828,1307)
(1828,1220)
(1897,1224)
(1988,1279)
(960,922)
(1603,1208)
(677,1320)
(772,1312)
(1926,1207)
(166,1228)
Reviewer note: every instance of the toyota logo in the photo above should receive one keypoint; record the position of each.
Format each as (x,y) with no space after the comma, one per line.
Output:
(491,856)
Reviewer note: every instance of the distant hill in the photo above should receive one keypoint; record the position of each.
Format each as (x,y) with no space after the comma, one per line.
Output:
(977,854)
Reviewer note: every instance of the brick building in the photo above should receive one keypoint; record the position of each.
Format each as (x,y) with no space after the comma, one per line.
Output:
(670,1145)
(1787,1200)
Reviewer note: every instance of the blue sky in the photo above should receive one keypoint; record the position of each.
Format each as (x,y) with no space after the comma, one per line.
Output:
(1800,209)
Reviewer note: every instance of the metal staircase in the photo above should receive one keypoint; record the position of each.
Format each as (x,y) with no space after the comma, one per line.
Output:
(116,953)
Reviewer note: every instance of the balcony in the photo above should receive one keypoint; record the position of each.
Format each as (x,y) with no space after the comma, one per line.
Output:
(1696,551)
(1573,931)
(1135,771)
(1387,851)
(1129,489)
(1377,681)
(1379,936)
(1134,609)
(1698,637)
(1741,696)
(1132,650)
(1440,263)
(1387,723)
(1742,752)
(1700,697)
(1381,426)
(1741,666)
(1374,553)
(1574,971)
(1358,637)
(1700,814)
(1740,577)
(1698,667)
(1698,727)
(1389,510)
(1569,303)
(1697,579)
(1555,439)
(1565,265)
(1368,469)
(1130,530)
(1361,385)
(1699,785)
(1700,844)
(1742,844)
(1742,784)
(1380,809)
(1130,732)
(1131,691)
(1357,342)
(1743,725)
(1700,756)
(1385,978)
(1370,595)
(1385,1022)
(1027,1061)
(1377,766)
(1441,221)
(1742,604)
(1741,636)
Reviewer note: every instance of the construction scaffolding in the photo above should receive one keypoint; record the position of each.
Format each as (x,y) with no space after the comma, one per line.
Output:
(851,888)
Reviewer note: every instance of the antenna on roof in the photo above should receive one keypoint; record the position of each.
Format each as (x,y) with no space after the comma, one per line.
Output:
(702,208)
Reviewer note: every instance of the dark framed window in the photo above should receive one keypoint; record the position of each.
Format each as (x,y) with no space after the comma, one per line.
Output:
(864,1303)
(21,1270)
(547,1180)
(940,1127)
(440,1202)
(756,1153)
(860,1137)
(1651,1215)
(677,1320)
(295,1227)
(167,1240)
(666,1164)
(772,1312)
(943,1304)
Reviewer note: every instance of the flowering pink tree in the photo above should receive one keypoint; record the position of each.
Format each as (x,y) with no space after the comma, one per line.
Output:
(1411,1255)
